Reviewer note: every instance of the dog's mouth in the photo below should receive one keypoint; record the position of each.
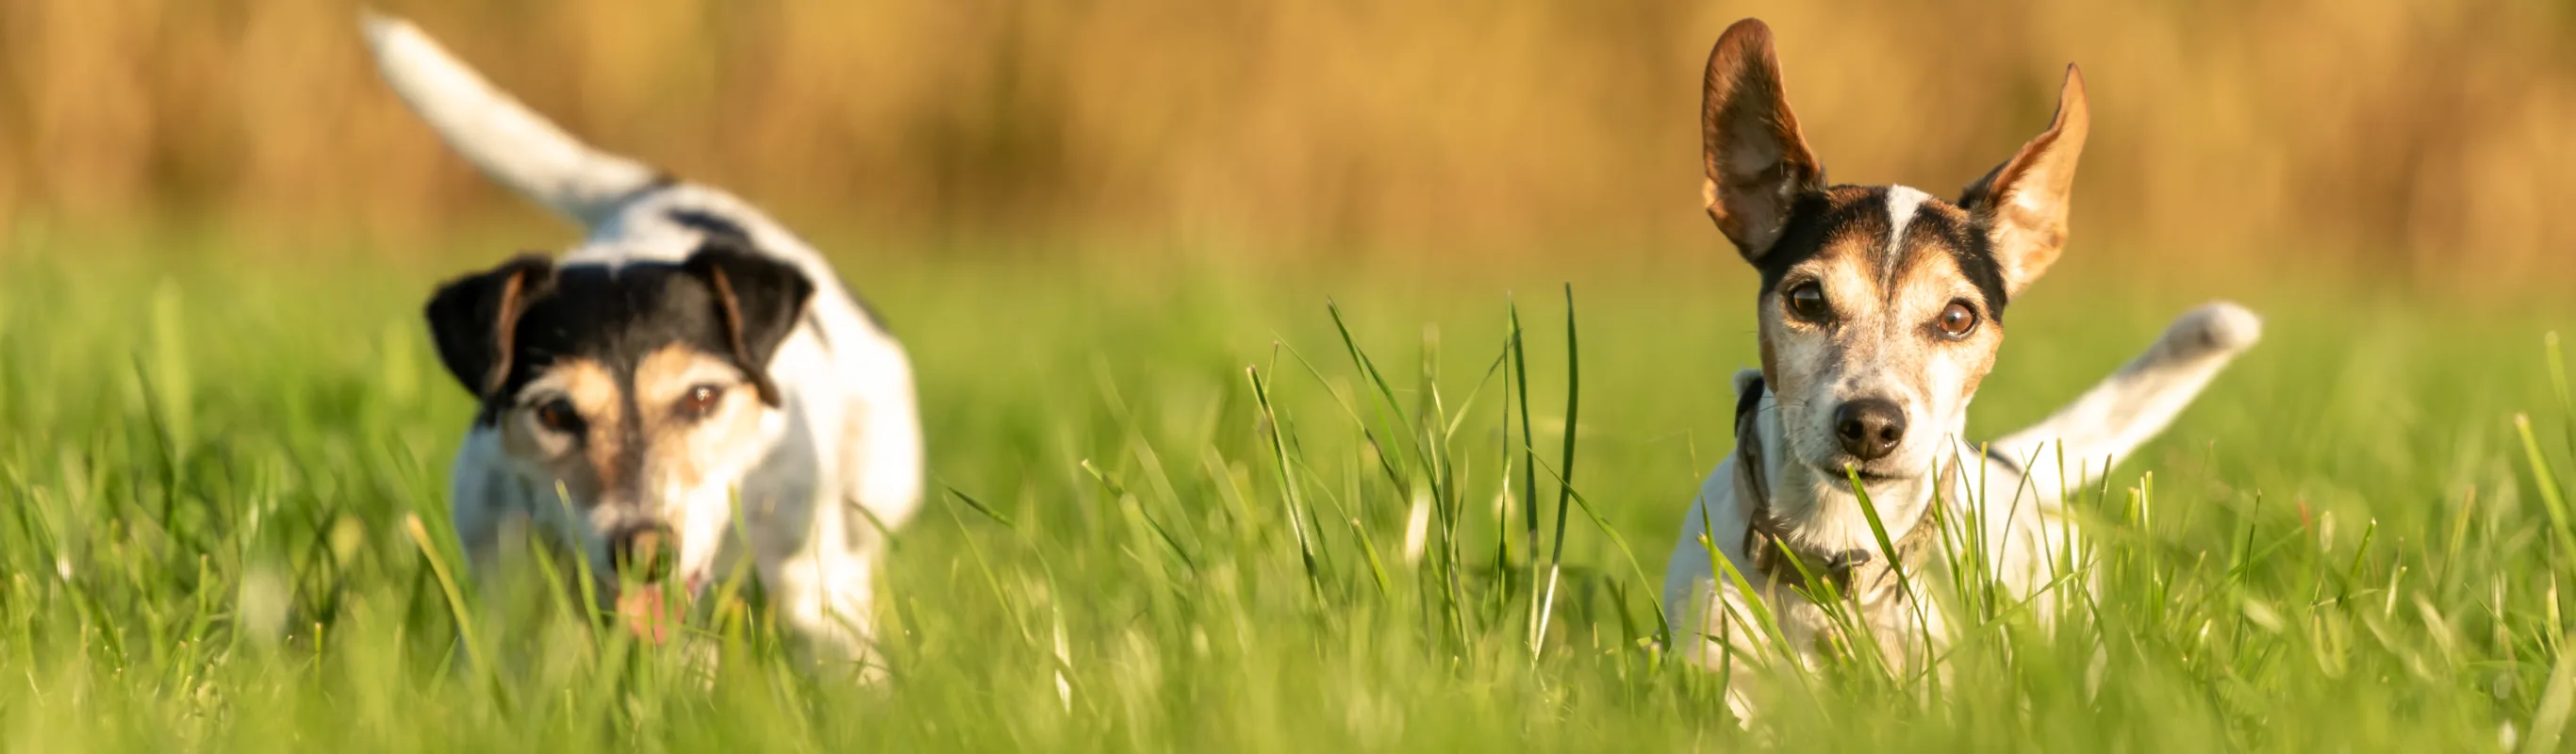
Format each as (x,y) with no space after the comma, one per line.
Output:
(1836,470)
(648,611)
(649,615)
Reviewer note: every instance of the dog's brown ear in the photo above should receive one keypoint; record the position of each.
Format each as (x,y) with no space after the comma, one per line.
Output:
(2023,202)
(758,298)
(474,319)
(1757,162)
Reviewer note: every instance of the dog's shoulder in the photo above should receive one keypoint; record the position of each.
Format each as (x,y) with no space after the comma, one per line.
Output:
(477,486)
(1716,513)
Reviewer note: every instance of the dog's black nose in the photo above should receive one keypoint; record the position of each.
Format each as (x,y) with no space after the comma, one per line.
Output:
(645,553)
(1869,428)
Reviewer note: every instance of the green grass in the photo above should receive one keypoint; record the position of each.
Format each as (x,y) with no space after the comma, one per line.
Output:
(207,472)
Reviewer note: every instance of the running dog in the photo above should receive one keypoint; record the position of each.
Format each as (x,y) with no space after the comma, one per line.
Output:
(688,389)
(1881,308)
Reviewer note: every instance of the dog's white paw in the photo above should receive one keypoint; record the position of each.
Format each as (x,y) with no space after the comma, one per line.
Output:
(2215,328)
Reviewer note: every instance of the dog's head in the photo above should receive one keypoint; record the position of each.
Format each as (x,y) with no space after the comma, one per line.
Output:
(1881,307)
(637,390)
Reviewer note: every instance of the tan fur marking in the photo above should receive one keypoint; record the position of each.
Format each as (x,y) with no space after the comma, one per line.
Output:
(678,448)
(601,402)
(731,308)
(1770,357)
(1946,211)
(1948,371)
(505,333)
(665,453)
(586,465)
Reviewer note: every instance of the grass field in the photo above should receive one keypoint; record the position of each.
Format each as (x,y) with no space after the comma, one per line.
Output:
(208,470)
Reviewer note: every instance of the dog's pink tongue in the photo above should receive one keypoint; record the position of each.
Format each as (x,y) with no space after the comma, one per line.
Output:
(644,611)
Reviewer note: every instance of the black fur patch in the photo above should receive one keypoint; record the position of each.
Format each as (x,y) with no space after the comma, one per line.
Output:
(717,228)
(472,318)
(713,227)
(613,316)
(1817,219)
(1974,251)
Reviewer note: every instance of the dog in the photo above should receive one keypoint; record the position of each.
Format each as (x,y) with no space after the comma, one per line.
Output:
(1881,308)
(690,368)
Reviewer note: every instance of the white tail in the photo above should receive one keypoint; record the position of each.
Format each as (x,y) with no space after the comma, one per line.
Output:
(513,145)
(2133,404)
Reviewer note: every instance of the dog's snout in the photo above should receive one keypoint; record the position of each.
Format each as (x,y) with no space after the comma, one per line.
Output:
(645,553)
(1869,428)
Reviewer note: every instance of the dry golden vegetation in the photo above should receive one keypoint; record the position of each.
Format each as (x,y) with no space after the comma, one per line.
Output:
(2425,132)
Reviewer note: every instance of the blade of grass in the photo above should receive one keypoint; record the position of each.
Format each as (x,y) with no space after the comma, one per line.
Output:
(2558,370)
(1390,412)
(2549,719)
(480,654)
(1612,533)
(1386,461)
(1529,459)
(1565,483)
(1886,546)
(1287,478)
(2552,496)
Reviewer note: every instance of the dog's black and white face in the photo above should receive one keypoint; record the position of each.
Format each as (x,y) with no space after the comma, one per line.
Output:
(1881,307)
(639,391)
(1879,316)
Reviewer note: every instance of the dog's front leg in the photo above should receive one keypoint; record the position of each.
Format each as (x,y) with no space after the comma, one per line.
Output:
(478,512)
(1729,643)
(2135,403)
(822,584)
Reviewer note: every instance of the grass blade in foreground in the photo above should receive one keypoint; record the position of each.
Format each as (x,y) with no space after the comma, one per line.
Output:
(1565,478)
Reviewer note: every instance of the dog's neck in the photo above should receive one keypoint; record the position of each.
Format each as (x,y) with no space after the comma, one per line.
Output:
(1816,512)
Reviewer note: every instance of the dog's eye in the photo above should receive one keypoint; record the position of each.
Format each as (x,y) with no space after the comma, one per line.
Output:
(700,401)
(1807,302)
(558,416)
(1957,321)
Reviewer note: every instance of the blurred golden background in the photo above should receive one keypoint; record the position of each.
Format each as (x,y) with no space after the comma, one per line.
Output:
(2429,137)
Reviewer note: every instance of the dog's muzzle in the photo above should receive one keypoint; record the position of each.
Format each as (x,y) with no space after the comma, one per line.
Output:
(1869,428)
(645,553)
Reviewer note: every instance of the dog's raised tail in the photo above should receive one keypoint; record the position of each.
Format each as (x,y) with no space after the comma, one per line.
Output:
(510,143)
(2133,404)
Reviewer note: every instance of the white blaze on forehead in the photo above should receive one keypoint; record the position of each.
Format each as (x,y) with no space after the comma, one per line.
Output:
(1902,201)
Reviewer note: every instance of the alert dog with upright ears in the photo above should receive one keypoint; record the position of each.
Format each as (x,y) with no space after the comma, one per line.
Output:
(690,368)
(1881,308)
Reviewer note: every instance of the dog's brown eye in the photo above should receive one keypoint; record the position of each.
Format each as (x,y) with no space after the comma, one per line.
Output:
(700,401)
(558,415)
(1807,301)
(1958,320)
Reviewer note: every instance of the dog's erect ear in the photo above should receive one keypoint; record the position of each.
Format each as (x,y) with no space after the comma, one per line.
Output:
(2023,202)
(474,319)
(759,299)
(1757,162)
